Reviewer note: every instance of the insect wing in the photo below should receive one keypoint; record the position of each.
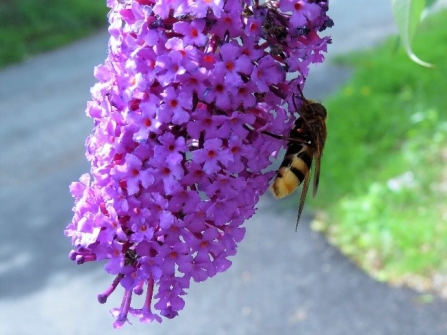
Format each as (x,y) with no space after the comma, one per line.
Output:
(319,144)
(303,197)
(316,176)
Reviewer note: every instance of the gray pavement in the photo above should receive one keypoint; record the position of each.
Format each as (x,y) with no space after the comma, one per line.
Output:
(281,282)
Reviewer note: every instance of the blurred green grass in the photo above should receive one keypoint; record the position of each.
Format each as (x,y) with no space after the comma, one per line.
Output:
(383,178)
(28,27)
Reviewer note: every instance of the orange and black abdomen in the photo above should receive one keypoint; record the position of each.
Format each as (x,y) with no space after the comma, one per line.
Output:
(294,168)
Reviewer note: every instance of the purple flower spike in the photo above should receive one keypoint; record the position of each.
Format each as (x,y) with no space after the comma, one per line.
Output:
(178,154)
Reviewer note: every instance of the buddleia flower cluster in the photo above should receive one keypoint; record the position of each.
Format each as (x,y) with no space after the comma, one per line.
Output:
(179,151)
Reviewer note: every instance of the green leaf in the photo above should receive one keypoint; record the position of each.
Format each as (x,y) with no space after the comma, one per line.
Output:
(430,3)
(407,14)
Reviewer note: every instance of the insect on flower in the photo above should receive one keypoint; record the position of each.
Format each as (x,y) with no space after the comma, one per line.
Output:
(305,143)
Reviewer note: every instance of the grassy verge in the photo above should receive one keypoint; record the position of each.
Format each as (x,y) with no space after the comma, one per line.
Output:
(28,27)
(384,176)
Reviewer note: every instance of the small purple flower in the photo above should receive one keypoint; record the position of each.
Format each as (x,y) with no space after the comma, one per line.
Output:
(199,8)
(146,121)
(175,106)
(212,156)
(268,72)
(244,95)
(302,11)
(204,124)
(173,148)
(218,91)
(168,67)
(133,175)
(178,158)
(192,32)
(121,313)
(234,125)
(229,23)
(233,62)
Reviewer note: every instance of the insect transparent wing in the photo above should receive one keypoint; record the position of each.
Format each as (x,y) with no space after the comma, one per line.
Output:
(303,197)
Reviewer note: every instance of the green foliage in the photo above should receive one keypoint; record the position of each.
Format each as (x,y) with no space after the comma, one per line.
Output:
(383,178)
(31,26)
(407,14)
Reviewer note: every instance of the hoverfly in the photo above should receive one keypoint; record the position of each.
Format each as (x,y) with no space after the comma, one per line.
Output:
(305,143)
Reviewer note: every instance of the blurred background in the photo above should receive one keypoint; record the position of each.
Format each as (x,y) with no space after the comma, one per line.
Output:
(380,199)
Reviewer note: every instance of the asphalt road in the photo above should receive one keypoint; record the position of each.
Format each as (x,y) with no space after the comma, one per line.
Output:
(281,282)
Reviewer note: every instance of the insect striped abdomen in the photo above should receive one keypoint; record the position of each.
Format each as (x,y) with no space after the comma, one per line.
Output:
(293,170)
